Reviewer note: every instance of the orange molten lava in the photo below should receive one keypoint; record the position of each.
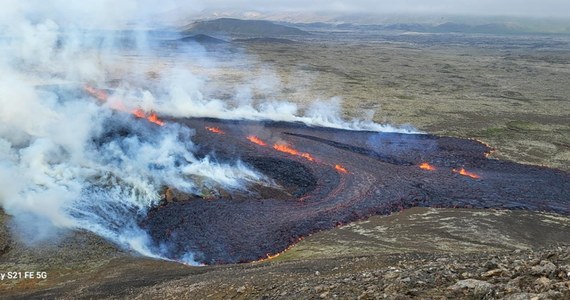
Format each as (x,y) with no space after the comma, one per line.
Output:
(256,140)
(308,156)
(289,150)
(286,149)
(340,168)
(139,113)
(97,93)
(426,166)
(101,95)
(154,119)
(215,130)
(269,257)
(464,172)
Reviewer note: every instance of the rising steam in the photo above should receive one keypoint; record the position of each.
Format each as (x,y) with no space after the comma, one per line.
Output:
(69,162)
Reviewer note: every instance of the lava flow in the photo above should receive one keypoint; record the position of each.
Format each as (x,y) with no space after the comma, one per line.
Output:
(245,225)
(427,167)
(215,130)
(286,149)
(340,169)
(464,172)
(256,140)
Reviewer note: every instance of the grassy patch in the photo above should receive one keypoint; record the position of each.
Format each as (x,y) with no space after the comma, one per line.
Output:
(519,125)
(493,132)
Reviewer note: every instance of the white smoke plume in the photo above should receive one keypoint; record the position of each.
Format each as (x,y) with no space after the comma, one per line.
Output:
(68,162)
(184,98)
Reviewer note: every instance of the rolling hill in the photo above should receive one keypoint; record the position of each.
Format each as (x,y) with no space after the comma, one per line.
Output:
(228,26)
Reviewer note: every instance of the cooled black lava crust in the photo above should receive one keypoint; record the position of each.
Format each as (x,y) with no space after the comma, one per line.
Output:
(383,177)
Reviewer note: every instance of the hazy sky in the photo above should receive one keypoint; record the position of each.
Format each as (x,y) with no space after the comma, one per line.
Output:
(559,8)
(105,12)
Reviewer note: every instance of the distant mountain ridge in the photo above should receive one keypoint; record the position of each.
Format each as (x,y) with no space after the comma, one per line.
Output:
(202,39)
(447,27)
(266,40)
(484,28)
(536,24)
(230,26)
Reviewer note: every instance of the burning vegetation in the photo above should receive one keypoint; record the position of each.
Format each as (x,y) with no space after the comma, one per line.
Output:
(102,96)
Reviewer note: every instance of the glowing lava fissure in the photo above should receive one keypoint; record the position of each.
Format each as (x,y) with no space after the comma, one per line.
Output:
(264,221)
(102,96)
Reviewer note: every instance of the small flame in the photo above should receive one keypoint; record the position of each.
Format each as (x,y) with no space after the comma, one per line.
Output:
(464,172)
(426,166)
(292,151)
(215,130)
(256,140)
(340,169)
(269,257)
(153,118)
(139,113)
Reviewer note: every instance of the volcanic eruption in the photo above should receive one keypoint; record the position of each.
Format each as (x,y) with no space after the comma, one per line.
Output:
(159,167)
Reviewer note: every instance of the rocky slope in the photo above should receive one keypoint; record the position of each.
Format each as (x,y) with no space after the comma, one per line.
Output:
(415,254)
